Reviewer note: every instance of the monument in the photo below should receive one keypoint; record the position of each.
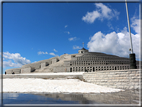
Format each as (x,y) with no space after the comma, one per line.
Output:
(83,61)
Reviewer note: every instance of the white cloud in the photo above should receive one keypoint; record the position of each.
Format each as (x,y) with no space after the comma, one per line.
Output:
(9,63)
(55,50)
(76,47)
(41,52)
(135,24)
(53,54)
(105,10)
(102,12)
(90,17)
(110,25)
(72,39)
(67,32)
(114,43)
(66,26)
(115,14)
(14,60)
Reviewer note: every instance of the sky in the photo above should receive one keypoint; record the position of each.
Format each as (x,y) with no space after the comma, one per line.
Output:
(38,31)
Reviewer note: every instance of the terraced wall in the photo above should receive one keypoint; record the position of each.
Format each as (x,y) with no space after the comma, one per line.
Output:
(121,79)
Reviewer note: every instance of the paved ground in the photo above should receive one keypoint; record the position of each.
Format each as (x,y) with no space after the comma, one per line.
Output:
(53,86)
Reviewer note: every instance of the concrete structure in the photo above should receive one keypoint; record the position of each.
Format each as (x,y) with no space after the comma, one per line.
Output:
(83,61)
(119,79)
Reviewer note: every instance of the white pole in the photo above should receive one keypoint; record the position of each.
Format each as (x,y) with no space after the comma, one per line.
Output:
(129,26)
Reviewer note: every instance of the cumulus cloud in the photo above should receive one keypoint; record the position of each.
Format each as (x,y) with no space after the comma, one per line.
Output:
(14,60)
(72,39)
(41,52)
(114,43)
(55,50)
(90,17)
(135,24)
(76,47)
(9,63)
(105,11)
(102,12)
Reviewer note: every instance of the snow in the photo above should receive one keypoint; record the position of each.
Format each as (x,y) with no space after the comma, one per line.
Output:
(53,86)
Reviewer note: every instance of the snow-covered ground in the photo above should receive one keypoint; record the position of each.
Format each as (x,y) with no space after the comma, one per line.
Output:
(53,86)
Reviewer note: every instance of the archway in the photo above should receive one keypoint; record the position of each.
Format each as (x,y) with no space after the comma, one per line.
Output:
(70,69)
(93,69)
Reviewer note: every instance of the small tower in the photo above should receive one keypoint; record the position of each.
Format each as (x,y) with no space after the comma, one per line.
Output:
(83,50)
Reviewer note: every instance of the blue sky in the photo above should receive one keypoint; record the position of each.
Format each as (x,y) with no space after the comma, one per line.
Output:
(38,31)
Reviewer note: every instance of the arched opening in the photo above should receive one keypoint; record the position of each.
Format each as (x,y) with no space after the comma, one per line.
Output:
(13,73)
(115,68)
(86,70)
(5,72)
(47,64)
(93,69)
(70,69)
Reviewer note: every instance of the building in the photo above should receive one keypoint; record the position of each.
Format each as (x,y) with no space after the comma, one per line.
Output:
(83,61)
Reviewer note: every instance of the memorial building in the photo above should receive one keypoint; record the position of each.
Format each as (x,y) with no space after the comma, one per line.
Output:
(83,61)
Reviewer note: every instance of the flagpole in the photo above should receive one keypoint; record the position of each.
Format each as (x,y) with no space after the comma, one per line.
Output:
(132,55)
(129,26)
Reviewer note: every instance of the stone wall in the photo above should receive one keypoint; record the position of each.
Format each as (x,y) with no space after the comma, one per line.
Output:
(35,65)
(44,64)
(69,76)
(61,69)
(13,71)
(54,60)
(66,63)
(121,79)
(27,70)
